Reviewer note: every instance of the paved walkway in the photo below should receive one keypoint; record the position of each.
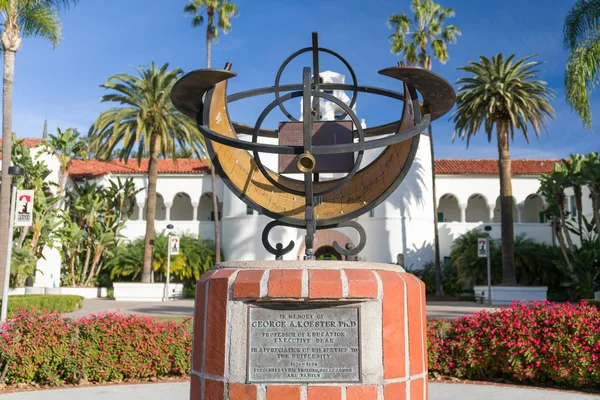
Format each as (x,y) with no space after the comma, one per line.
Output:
(449,310)
(163,391)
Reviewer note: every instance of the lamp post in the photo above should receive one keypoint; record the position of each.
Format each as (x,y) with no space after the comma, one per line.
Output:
(169,227)
(13,172)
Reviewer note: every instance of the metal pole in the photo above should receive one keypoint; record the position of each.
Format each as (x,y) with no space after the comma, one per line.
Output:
(489,273)
(11,224)
(168,267)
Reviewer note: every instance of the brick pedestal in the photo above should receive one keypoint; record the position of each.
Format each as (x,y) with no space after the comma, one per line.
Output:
(392,325)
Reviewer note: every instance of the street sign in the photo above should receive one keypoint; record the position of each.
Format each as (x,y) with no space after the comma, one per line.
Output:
(482,247)
(24,208)
(173,245)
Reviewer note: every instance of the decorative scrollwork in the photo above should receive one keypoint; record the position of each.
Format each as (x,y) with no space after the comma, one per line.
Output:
(278,251)
(361,243)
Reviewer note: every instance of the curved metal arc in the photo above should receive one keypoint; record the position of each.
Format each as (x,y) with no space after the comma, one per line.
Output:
(278,251)
(361,243)
(305,50)
(335,184)
(438,94)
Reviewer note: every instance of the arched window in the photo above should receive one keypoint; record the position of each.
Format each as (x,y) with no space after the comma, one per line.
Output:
(448,210)
(161,210)
(477,209)
(182,209)
(205,208)
(533,208)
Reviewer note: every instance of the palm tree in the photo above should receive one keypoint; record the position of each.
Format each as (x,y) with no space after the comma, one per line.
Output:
(148,122)
(66,146)
(426,31)
(22,18)
(223,10)
(591,176)
(511,96)
(581,38)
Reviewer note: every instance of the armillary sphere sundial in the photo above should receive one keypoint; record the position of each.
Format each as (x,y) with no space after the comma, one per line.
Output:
(311,204)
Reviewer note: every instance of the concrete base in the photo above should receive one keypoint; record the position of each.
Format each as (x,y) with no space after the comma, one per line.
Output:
(597,295)
(505,295)
(392,326)
(146,291)
(85,292)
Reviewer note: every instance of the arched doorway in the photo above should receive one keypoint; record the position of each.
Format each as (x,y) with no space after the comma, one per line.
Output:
(324,240)
(327,253)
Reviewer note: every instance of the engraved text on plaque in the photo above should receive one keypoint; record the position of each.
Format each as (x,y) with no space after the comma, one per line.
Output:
(304,344)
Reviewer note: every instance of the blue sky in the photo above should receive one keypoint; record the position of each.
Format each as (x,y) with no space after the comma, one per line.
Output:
(105,37)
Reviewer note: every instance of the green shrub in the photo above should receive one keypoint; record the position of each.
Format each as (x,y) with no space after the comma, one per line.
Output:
(451,284)
(61,303)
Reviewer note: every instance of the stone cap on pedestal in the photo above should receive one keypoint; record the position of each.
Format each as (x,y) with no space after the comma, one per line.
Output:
(307,264)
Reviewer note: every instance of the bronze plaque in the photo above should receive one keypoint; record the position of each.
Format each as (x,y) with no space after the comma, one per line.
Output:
(304,344)
(323,133)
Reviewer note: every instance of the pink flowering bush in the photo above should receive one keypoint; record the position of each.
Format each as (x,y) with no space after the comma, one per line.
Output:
(52,350)
(542,344)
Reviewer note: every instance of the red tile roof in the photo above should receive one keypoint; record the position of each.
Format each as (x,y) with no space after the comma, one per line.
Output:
(31,142)
(490,167)
(97,168)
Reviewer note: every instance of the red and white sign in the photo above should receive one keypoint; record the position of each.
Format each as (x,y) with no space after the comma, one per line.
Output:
(173,245)
(482,247)
(24,208)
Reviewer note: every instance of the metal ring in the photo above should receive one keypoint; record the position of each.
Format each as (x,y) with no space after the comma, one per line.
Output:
(305,50)
(336,183)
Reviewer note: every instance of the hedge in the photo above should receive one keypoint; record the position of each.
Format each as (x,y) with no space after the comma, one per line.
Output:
(52,350)
(62,303)
(542,345)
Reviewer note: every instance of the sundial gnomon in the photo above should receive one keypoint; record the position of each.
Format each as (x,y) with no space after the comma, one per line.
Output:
(308,203)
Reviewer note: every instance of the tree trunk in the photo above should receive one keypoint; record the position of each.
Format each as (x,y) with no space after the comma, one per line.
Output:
(595,196)
(561,243)
(439,288)
(150,210)
(73,270)
(86,264)
(97,254)
(22,236)
(215,201)
(209,27)
(563,223)
(506,205)
(7,99)
(579,205)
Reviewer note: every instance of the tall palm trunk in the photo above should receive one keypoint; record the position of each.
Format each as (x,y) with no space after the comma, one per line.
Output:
(595,197)
(213,177)
(579,205)
(150,210)
(209,27)
(216,212)
(506,205)
(439,287)
(7,99)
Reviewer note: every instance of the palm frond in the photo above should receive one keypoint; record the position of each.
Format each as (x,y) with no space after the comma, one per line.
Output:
(581,21)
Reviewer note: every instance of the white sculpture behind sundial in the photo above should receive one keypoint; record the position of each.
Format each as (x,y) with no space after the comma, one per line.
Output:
(327,109)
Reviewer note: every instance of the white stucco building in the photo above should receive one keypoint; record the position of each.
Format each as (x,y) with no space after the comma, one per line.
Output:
(400,228)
